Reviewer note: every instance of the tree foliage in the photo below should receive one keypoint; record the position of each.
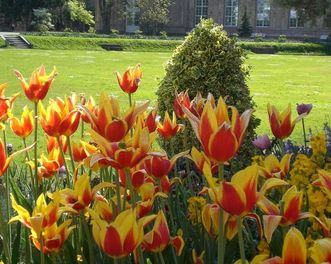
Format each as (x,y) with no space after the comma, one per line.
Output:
(310,9)
(154,15)
(245,29)
(42,20)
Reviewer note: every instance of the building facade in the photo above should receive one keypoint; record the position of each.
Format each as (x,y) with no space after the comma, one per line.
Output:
(265,18)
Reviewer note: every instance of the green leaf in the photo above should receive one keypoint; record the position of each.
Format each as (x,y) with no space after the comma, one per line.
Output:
(17,245)
(19,197)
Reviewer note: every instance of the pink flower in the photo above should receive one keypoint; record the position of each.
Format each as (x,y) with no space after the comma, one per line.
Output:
(304,108)
(262,142)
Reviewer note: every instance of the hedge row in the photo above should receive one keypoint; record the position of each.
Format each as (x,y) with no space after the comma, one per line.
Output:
(288,47)
(73,43)
(2,43)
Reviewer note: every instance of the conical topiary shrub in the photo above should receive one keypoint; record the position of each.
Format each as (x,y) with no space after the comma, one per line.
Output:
(208,61)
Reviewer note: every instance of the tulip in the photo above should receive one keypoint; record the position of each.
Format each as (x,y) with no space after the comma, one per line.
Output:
(289,215)
(81,196)
(53,237)
(22,128)
(280,123)
(121,155)
(200,158)
(159,165)
(50,165)
(169,128)
(150,121)
(181,100)
(78,152)
(320,252)
(5,103)
(48,213)
(304,108)
(137,177)
(262,142)
(60,118)
(210,219)
(103,209)
(39,83)
(4,161)
(52,142)
(119,238)
(91,107)
(109,123)
(130,80)
(220,137)
(294,250)
(273,168)
(159,237)
(324,181)
(197,259)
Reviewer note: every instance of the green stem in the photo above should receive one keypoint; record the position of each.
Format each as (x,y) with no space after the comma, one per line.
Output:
(130,99)
(221,236)
(31,172)
(82,130)
(4,231)
(42,255)
(130,187)
(118,193)
(304,133)
(173,154)
(188,171)
(141,256)
(89,240)
(161,258)
(241,241)
(64,162)
(71,155)
(27,247)
(36,149)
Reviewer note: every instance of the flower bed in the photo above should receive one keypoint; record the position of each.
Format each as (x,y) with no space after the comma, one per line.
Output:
(112,198)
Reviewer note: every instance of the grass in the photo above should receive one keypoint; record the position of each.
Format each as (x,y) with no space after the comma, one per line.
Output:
(278,79)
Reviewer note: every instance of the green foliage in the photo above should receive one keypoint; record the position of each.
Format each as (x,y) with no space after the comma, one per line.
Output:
(282,38)
(72,43)
(154,15)
(78,12)
(2,43)
(208,62)
(42,20)
(245,29)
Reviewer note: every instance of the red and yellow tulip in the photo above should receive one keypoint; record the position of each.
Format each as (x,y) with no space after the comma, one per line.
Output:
(53,237)
(39,83)
(118,238)
(320,252)
(130,80)
(181,100)
(220,137)
(6,103)
(78,151)
(198,259)
(52,142)
(280,123)
(109,122)
(22,128)
(60,117)
(324,181)
(294,250)
(81,196)
(4,160)
(272,167)
(200,158)
(50,165)
(169,128)
(210,219)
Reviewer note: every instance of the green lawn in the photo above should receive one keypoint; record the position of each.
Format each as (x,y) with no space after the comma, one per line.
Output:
(278,79)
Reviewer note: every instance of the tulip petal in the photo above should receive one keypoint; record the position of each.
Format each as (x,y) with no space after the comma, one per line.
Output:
(270,223)
(294,248)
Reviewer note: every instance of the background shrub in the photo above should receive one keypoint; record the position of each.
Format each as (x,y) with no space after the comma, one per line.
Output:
(208,62)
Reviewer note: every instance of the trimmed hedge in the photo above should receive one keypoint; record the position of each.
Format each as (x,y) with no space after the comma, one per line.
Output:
(82,43)
(2,43)
(288,47)
(72,43)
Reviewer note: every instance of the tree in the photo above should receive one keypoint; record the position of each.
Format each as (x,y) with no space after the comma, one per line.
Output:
(245,29)
(154,15)
(42,20)
(310,9)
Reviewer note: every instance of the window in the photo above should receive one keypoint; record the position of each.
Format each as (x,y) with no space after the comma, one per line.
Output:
(201,10)
(231,13)
(295,19)
(263,13)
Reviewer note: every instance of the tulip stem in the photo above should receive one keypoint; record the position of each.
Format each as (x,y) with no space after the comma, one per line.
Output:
(89,240)
(4,231)
(7,192)
(161,258)
(64,162)
(31,172)
(241,240)
(141,255)
(221,237)
(130,187)
(118,194)
(173,154)
(36,148)
(42,255)
(130,99)
(71,155)
(304,133)
(188,171)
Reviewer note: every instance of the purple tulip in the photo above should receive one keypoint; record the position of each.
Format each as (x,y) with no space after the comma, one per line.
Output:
(304,108)
(262,142)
